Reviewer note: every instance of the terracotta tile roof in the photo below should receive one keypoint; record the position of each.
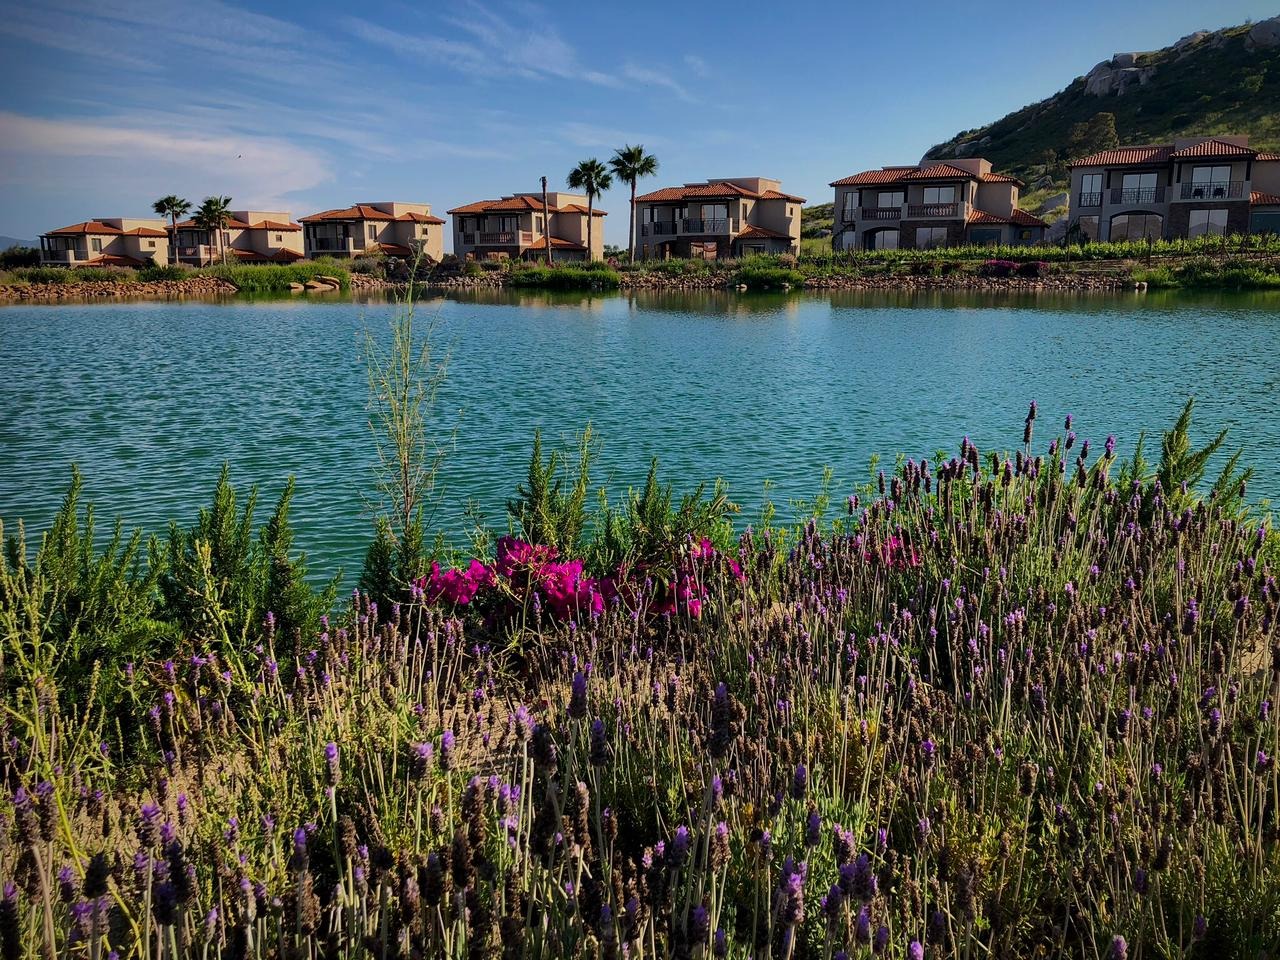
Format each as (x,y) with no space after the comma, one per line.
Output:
(284,255)
(114,260)
(1264,199)
(276,225)
(999,178)
(1019,218)
(88,226)
(761,233)
(413,217)
(872,177)
(778,195)
(557,243)
(521,203)
(1213,148)
(146,232)
(1024,219)
(1127,156)
(579,208)
(394,249)
(706,191)
(232,224)
(940,171)
(1265,156)
(361,211)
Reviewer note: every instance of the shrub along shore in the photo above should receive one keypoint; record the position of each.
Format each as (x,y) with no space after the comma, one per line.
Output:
(1205,264)
(994,704)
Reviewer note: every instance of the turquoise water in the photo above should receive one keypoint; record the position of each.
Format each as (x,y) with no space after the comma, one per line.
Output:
(150,398)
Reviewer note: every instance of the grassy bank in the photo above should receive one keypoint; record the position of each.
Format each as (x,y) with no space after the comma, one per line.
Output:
(1205,274)
(249,278)
(993,705)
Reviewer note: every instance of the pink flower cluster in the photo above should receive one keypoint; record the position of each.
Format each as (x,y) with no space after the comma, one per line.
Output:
(534,573)
(893,553)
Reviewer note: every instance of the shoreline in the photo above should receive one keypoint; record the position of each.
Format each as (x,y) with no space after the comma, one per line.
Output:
(206,287)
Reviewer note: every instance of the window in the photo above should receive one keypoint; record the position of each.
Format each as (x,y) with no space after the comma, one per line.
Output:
(892,198)
(939,195)
(850,204)
(984,236)
(538,223)
(373,231)
(508,224)
(151,244)
(929,237)
(1207,223)
(1136,226)
(96,245)
(1139,188)
(1090,190)
(1210,182)
(279,238)
(1088,228)
(882,240)
(715,211)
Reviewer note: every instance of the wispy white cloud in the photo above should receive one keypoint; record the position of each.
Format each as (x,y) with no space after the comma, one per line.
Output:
(594,135)
(659,79)
(696,64)
(252,169)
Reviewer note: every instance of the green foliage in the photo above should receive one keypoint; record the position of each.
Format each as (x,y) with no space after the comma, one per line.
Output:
(567,277)
(171,271)
(651,528)
(17,256)
(276,277)
(76,610)
(545,512)
(1205,273)
(220,581)
(761,276)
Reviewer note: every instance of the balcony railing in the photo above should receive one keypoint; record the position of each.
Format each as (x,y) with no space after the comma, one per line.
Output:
(1137,195)
(1217,190)
(882,213)
(1089,200)
(60,256)
(331,243)
(927,210)
(658,228)
(726,225)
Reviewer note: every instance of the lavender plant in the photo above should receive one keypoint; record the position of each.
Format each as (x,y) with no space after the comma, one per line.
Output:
(1007,706)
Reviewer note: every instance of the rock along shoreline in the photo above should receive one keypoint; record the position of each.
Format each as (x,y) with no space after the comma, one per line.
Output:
(205,287)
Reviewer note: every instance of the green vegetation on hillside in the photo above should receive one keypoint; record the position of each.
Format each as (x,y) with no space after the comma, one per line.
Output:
(1213,86)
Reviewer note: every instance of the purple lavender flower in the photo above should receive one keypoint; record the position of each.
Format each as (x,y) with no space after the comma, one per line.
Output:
(915,951)
(800,785)
(1119,949)
(862,928)
(331,760)
(880,940)
(578,696)
(813,829)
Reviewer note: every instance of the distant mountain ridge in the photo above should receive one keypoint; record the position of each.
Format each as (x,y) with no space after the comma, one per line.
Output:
(1209,82)
(7,242)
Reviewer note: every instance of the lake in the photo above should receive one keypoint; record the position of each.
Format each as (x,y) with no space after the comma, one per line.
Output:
(150,398)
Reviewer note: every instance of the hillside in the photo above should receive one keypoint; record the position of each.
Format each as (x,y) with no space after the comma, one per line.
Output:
(1224,81)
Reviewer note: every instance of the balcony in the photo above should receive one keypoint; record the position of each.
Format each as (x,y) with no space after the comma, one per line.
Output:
(1089,199)
(936,211)
(61,256)
(705,227)
(1137,194)
(881,213)
(499,238)
(1217,190)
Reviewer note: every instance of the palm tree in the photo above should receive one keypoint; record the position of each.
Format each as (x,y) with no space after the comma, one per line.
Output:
(593,178)
(172,207)
(630,164)
(213,216)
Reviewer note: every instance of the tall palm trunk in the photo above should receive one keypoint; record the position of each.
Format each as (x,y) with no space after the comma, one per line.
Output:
(631,226)
(173,239)
(591,250)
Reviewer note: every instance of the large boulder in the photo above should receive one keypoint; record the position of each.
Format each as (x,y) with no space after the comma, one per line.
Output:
(1263,34)
(1116,75)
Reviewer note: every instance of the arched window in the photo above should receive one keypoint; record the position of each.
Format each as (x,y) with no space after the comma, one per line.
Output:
(1137,226)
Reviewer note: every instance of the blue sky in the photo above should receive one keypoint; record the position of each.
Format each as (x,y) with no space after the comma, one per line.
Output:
(105,106)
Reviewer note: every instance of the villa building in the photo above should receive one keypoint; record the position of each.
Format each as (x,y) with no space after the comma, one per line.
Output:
(718,219)
(931,205)
(107,242)
(374,229)
(1188,188)
(515,226)
(250,236)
